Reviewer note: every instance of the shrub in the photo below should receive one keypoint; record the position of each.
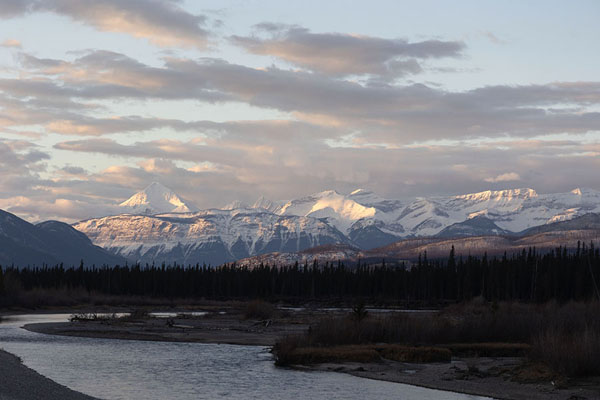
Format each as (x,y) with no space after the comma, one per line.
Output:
(489,349)
(574,353)
(565,337)
(284,348)
(415,354)
(258,309)
(359,311)
(336,354)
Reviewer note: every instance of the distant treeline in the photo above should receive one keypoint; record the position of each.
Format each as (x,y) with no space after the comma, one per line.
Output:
(558,275)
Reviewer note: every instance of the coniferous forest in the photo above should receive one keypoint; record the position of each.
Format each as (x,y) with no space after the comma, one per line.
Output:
(558,275)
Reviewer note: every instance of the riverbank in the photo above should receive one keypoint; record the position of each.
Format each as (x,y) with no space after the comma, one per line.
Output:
(482,376)
(221,327)
(497,377)
(18,382)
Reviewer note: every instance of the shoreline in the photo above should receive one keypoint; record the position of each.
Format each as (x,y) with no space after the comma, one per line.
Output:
(482,376)
(227,328)
(57,328)
(19,382)
(454,377)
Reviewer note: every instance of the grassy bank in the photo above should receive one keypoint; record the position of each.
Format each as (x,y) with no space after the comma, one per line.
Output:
(564,337)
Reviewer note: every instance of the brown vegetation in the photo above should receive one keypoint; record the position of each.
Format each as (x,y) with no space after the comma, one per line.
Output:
(424,354)
(316,355)
(575,353)
(258,309)
(564,337)
(291,350)
(489,349)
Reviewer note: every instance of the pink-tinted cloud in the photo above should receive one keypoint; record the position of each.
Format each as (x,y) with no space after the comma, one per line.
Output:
(162,22)
(342,54)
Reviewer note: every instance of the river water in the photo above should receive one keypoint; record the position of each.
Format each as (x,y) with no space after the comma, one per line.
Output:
(131,369)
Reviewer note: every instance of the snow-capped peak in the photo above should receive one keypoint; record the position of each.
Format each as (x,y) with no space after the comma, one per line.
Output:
(266,204)
(497,195)
(156,199)
(340,210)
(235,205)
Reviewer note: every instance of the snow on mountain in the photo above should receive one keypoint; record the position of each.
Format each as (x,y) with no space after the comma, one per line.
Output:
(479,225)
(339,210)
(269,205)
(210,236)
(155,199)
(370,199)
(513,210)
(163,228)
(234,205)
(320,254)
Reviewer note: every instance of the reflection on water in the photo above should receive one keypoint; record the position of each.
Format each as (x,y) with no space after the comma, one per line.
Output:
(128,369)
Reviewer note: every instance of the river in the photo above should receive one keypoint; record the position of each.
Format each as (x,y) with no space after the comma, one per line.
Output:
(131,369)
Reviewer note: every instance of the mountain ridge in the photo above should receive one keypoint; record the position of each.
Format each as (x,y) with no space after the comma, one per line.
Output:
(156,198)
(566,234)
(362,219)
(49,242)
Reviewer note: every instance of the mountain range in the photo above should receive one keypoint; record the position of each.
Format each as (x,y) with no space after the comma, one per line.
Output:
(567,234)
(50,242)
(158,226)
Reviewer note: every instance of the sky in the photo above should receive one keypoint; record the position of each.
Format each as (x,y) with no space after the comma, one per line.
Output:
(231,100)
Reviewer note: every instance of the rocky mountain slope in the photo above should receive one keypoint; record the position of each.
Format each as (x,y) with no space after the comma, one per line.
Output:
(50,242)
(584,229)
(511,210)
(211,236)
(160,227)
(155,199)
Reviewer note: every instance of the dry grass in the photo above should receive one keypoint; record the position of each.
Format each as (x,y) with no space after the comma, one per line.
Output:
(574,353)
(258,309)
(292,352)
(337,354)
(489,349)
(564,337)
(415,354)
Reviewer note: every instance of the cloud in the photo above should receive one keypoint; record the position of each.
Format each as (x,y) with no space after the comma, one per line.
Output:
(388,114)
(212,171)
(492,37)
(340,54)
(13,8)
(11,43)
(73,171)
(507,177)
(292,170)
(162,22)
(344,119)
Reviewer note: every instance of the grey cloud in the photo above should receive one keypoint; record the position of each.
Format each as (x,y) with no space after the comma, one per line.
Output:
(71,170)
(296,170)
(340,54)
(12,8)
(14,159)
(380,113)
(20,163)
(104,74)
(286,171)
(188,151)
(162,22)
